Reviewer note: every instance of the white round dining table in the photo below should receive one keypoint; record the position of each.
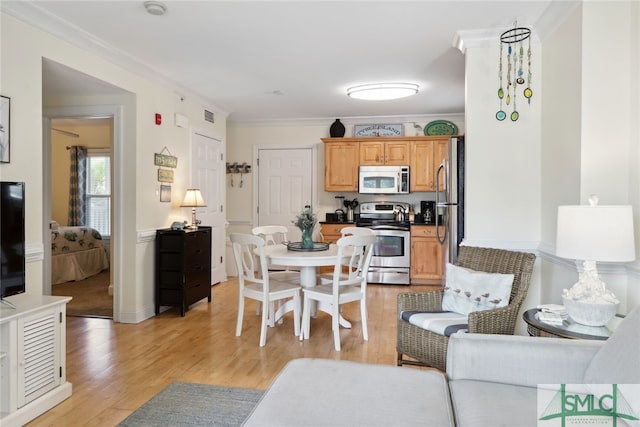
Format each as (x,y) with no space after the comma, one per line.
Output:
(307,261)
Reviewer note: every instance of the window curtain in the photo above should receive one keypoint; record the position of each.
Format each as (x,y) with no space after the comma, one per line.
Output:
(78,186)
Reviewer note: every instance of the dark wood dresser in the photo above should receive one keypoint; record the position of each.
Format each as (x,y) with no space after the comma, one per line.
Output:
(183,267)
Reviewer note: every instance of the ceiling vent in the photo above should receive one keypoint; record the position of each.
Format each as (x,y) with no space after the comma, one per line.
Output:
(208,116)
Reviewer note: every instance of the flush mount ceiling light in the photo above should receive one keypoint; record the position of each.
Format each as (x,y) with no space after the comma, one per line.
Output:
(155,7)
(382,91)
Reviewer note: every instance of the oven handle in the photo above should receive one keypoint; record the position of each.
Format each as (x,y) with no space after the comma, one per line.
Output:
(387,270)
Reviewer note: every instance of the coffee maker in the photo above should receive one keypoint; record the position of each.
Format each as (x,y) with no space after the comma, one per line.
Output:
(428,211)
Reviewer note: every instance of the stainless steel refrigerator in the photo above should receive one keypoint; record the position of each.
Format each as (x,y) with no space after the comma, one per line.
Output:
(450,200)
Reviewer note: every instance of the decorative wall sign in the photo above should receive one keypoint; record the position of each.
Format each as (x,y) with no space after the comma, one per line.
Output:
(165,175)
(5,106)
(165,193)
(165,160)
(395,129)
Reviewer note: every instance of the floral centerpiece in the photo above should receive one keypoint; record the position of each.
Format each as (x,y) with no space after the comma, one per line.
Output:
(306,221)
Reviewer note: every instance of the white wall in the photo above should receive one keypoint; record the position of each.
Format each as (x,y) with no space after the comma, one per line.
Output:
(606,76)
(590,132)
(561,147)
(503,158)
(503,163)
(141,211)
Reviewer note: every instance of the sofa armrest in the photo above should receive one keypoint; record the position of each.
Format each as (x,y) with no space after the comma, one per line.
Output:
(519,360)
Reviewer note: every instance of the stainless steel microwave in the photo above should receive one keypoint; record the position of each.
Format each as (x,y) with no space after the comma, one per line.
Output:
(383,180)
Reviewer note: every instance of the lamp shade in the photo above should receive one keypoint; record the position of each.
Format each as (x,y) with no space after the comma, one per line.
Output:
(193,199)
(596,233)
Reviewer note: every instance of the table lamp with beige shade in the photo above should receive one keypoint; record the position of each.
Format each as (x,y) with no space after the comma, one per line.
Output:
(594,233)
(193,199)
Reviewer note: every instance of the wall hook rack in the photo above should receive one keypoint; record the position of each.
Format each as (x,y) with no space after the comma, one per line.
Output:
(234,168)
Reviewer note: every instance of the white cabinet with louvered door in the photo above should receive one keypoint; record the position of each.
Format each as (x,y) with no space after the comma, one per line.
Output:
(33,355)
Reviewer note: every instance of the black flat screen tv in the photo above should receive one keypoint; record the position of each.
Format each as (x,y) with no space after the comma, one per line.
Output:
(12,239)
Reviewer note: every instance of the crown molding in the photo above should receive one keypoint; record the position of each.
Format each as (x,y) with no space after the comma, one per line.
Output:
(37,17)
(551,18)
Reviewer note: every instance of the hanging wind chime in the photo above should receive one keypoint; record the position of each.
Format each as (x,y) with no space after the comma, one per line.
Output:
(513,39)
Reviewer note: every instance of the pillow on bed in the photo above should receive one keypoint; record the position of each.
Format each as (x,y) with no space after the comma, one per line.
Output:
(469,290)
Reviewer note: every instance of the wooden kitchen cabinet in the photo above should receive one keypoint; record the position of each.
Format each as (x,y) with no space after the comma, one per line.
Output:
(426,157)
(426,256)
(390,153)
(330,234)
(343,156)
(341,162)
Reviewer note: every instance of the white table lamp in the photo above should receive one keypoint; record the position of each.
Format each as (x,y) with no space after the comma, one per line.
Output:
(193,199)
(594,233)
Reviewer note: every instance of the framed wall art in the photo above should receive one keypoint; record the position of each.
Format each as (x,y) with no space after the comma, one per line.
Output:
(165,193)
(5,130)
(165,175)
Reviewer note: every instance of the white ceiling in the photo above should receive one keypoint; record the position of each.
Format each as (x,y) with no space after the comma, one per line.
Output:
(283,60)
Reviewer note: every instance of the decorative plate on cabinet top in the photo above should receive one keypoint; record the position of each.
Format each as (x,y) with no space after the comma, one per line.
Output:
(440,127)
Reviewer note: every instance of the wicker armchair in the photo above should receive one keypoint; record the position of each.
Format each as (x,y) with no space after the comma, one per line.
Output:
(430,349)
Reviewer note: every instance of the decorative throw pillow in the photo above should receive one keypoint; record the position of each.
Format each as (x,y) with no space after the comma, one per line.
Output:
(469,290)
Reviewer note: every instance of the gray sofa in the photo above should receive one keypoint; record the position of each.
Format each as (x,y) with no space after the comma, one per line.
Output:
(491,381)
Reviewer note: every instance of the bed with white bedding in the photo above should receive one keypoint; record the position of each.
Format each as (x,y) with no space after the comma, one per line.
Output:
(76,253)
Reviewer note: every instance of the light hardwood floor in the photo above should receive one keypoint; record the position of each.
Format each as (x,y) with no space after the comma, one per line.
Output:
(116,367)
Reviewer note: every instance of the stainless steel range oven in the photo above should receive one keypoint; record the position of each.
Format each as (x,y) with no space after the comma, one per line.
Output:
(391,259)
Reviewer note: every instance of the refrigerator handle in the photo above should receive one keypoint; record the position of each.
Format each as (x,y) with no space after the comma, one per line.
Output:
(438,182)
(440,238)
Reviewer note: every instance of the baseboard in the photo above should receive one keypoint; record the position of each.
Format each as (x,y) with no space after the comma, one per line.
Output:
(38,407)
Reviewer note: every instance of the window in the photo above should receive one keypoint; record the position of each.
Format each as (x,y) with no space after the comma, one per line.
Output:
(99,191)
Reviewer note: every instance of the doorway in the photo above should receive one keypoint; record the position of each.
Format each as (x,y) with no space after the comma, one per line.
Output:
(114,113)
(81,248)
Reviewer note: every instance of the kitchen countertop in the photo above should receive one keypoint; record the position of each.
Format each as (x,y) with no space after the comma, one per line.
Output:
(338,222)
(353,223)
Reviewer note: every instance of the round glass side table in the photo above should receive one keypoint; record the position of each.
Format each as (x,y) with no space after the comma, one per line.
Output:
(569,328)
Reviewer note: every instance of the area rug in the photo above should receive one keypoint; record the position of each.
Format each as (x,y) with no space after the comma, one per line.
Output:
(188,404)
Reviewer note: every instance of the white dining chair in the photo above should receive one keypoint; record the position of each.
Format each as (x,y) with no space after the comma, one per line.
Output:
(276,235)
(326,278)
(354,253)
(357,231)
(261,287)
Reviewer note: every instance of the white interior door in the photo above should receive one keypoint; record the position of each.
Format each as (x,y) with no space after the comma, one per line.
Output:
(209,177)
(285,186)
